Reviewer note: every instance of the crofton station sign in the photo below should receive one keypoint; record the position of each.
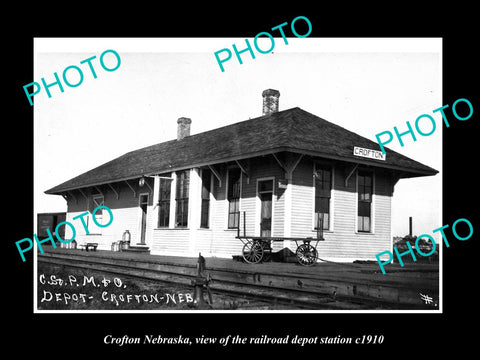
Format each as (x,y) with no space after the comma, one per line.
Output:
(369,153)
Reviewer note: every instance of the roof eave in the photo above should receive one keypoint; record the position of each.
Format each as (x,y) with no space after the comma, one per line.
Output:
(378,163)
(404,171)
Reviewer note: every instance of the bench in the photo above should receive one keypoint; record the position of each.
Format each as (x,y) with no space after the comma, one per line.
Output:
(89,246)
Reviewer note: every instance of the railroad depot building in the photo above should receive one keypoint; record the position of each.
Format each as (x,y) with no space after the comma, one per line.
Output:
(288,171)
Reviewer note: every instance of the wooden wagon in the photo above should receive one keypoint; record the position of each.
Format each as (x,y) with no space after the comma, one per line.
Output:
(259,248)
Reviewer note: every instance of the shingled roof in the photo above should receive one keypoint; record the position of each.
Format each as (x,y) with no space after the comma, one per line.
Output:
(294,130)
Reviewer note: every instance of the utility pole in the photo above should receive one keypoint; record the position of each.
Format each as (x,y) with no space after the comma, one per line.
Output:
(410,233)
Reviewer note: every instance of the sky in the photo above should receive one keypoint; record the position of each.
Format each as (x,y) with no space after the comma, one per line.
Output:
(364,85)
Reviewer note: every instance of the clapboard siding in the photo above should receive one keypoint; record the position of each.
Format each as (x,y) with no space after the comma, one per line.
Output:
(170,241)
(204,242)
(248,202)
(125,210)
(221,241)
(302,199)
(342,240)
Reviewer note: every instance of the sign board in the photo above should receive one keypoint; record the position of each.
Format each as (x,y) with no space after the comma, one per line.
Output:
(369,153)
(282,183)
(44,222)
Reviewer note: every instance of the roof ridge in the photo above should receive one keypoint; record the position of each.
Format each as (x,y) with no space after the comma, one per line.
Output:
(206,132)
(218,128)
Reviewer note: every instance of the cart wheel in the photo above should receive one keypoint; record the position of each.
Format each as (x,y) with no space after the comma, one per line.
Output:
(307,255)
(267,251)
(252,252)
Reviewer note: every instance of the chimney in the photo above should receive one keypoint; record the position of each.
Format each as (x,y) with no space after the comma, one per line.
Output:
(270,101)
(183,128)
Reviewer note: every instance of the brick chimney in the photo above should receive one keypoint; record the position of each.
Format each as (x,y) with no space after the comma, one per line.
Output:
(270,101)
(183,128)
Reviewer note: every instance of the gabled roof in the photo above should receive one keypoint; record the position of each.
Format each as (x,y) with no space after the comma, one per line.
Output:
(294,130)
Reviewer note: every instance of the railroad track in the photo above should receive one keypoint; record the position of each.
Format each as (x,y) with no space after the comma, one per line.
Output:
(295,292)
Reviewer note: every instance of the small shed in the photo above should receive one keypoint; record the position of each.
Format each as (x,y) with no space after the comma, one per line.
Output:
(50,221)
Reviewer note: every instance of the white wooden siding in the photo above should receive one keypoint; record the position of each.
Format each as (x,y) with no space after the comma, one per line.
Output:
(302,197)
(171,242)
(343,242)
(126,216)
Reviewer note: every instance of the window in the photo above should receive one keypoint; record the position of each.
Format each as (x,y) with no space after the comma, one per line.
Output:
(365,190)
(181,198)
(233,197)
(95,201)
(164,202)
(205,210)
(323,189)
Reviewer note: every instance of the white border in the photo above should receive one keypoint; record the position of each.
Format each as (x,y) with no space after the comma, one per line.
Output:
(190,45)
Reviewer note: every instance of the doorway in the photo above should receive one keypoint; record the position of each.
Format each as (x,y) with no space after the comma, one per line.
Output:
(265,194)
(143,201)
